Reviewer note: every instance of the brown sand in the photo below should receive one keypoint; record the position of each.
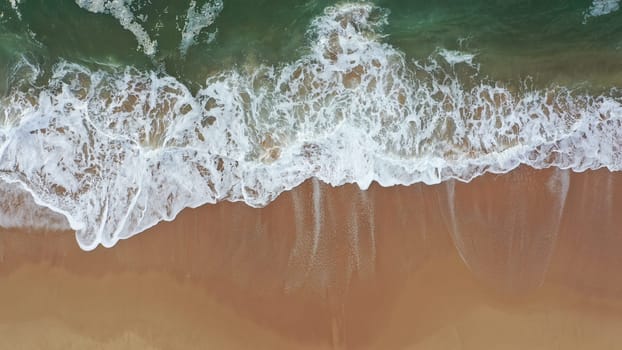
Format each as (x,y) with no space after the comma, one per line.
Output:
(504,262)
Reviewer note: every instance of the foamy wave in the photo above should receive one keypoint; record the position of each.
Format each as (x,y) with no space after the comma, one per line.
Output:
(117,152)
(120,9)
(15,6)
(18,210)
(601,8)
(454,57)
(196,20)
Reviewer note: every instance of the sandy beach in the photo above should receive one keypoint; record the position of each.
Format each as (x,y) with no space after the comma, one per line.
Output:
(504,262)
(188,175)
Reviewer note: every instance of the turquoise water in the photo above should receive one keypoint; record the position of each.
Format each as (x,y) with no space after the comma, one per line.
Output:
(118,114)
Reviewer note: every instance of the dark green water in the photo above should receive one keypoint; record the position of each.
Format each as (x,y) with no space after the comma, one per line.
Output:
(552,40)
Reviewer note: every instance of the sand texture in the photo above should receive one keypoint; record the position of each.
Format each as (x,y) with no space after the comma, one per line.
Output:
(525,260)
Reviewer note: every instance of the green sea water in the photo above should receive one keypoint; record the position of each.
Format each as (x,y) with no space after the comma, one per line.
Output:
(550,41)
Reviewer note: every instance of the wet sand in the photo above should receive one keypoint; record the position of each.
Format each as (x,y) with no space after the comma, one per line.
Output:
(529,259)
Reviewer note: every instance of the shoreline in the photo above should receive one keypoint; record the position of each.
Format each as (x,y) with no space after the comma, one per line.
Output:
(380,268)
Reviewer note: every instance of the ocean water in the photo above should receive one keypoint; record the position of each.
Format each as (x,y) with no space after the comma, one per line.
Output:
(117,114)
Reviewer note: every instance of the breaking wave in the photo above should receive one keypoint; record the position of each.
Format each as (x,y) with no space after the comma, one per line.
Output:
(117,151)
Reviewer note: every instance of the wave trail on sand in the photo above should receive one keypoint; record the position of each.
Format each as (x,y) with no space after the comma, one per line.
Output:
(115,152)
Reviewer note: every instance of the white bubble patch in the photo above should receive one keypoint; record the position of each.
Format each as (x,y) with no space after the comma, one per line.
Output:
(197,19)
(120,9)
(117,152)
(15,6)
(601,8)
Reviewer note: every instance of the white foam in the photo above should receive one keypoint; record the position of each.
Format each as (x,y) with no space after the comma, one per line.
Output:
(601,8)
(116,152)
(15,6)
(18,210)
(196,21)
(120,9)
(454,57)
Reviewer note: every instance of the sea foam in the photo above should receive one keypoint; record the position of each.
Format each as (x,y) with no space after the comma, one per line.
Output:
(601,8)
(15,6)
(197,18)
(120,9)
(117,151)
